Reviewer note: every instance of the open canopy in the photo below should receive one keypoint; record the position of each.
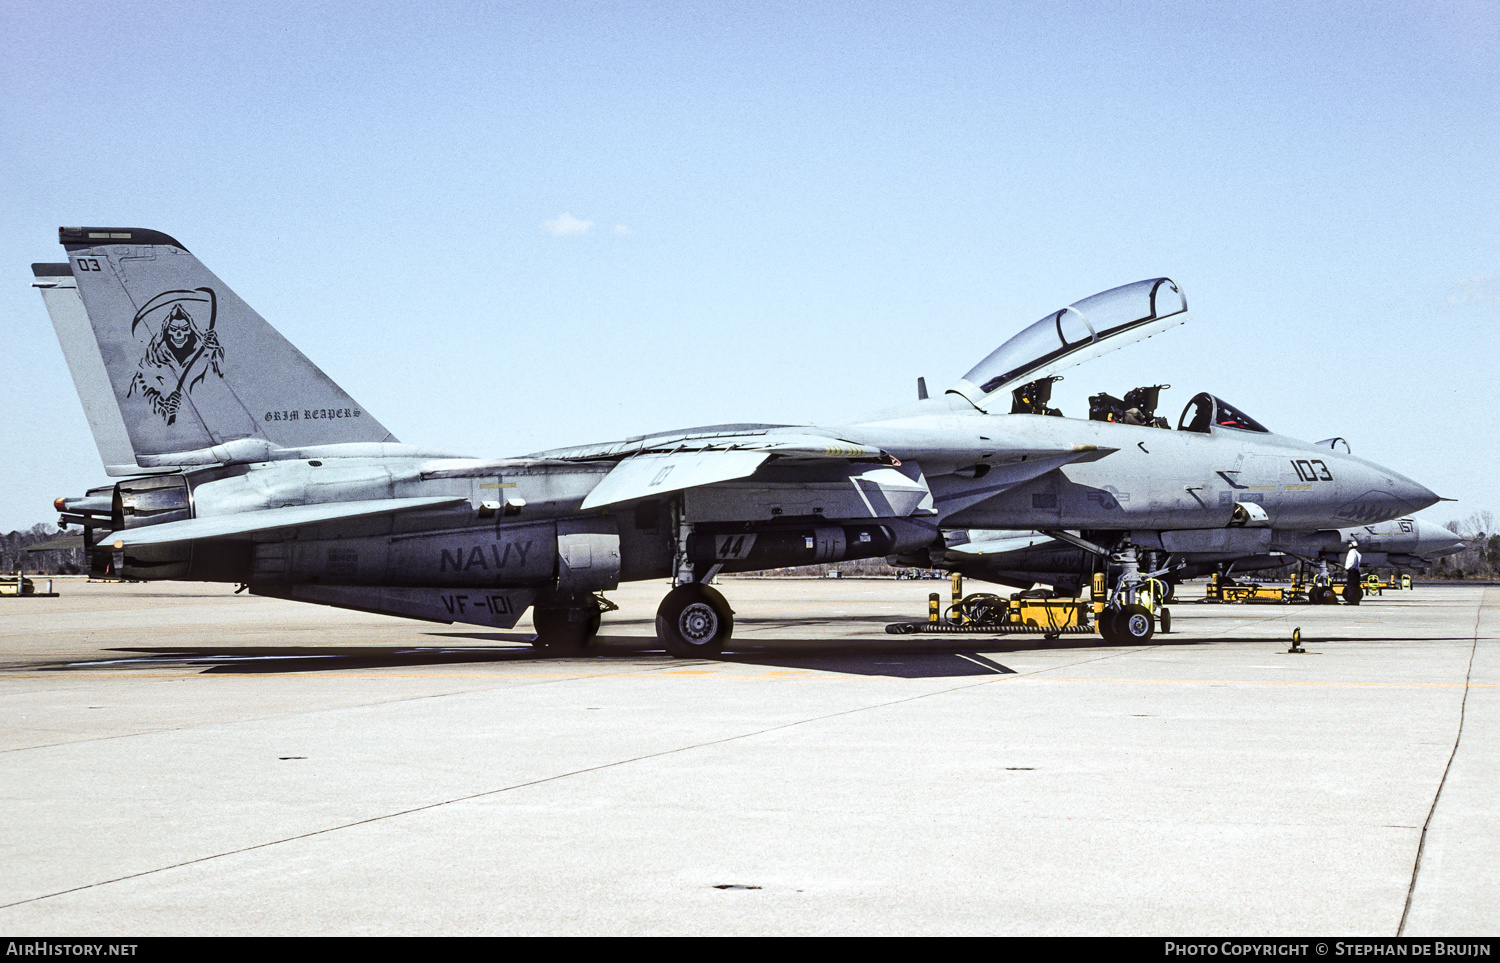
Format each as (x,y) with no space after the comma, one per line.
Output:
(1077,333)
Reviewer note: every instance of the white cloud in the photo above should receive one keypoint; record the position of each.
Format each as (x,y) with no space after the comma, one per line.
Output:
(622,229)
(1481,287)
(566,225)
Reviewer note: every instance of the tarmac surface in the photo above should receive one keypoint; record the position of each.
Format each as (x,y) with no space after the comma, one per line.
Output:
(176,759)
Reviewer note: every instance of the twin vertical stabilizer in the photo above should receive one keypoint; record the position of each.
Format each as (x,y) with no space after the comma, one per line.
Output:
(189,365)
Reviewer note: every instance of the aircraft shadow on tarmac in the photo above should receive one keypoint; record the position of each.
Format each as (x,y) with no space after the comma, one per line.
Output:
(869,657)
(854,657)
(907,662)
(903,660)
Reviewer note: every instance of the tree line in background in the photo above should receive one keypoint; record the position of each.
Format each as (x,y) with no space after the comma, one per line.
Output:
(1480,556)
(14,557)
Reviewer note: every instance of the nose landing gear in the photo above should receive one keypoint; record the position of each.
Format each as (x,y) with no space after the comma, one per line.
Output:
(1135,608)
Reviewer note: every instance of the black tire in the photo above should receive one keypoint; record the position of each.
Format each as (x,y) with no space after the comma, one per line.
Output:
(564,631)
(1353,593)
(1135,624)
(694,622)
(1105,624)
(1165,621)
(1322,595)
(1169,591)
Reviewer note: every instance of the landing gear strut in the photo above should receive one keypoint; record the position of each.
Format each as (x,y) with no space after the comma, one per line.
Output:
(1134,607)
(1322,591)
(694,621)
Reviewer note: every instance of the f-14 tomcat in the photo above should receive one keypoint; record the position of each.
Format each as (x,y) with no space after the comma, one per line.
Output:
(242,462)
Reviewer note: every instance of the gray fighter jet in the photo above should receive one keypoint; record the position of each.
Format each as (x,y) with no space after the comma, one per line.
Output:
(242,462)
(1022,559)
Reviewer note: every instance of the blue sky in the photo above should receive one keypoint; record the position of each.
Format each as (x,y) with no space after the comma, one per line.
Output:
(508,227)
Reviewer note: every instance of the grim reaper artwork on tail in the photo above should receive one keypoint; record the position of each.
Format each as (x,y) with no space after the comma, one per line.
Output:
(180,353)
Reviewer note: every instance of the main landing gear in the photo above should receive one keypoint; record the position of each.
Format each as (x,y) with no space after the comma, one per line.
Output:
(694,621)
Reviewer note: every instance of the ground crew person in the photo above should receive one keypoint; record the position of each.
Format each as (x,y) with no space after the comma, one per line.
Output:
(1352,589)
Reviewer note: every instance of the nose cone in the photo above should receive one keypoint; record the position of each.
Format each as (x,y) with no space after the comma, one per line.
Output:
(1414,495)
(1374,493)
(1434,541)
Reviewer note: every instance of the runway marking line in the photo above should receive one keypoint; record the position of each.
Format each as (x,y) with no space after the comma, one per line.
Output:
(1373,685)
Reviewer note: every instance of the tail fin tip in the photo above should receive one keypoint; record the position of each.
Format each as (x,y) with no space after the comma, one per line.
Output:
(89,236)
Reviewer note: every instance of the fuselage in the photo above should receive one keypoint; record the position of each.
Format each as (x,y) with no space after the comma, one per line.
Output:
(983,472)
(1150,479)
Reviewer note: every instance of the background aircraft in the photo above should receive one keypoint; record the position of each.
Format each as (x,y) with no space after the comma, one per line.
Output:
(1022,559)
(265,472)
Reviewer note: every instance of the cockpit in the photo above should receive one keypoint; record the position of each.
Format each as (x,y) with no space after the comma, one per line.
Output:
(1203,413)
(1025,366)
(1206,412)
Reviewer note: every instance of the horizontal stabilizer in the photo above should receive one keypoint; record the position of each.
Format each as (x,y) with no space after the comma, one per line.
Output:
(272,519)
(647,475)
(61,543)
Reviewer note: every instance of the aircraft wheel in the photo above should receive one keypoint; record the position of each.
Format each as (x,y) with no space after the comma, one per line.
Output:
(1353,593)
(1170,590)
(1165,621)
(564,631)
(694,622)
(1134,624)
(1323,595)
(1105,623)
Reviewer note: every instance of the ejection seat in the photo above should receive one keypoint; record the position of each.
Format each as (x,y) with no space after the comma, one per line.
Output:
(1138,407)
(1032,397)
